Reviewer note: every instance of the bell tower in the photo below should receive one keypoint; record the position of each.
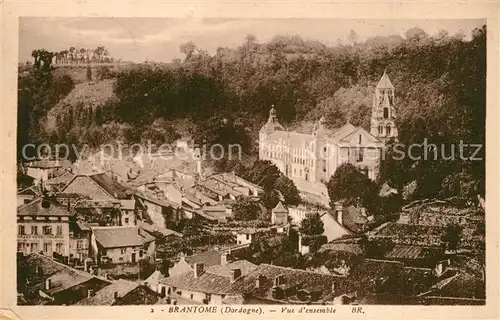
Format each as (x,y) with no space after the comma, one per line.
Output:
(383,119)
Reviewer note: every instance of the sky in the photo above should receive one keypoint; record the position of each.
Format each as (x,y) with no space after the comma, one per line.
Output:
(158,39)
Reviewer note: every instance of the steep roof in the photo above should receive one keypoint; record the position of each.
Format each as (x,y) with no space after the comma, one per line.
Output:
(111,186)
(306,280)
(214,279)
(116,237)
(105,296)
(62,276)
(279,208)
(208,258)
(385,82)
(152,229)
(35,208)
(352,219)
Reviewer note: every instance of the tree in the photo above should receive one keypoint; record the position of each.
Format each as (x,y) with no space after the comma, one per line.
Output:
(192,227)
(245,209)
(312,225)
(350,184)
(451,236)
(263,173)
(188,49)
(288,189)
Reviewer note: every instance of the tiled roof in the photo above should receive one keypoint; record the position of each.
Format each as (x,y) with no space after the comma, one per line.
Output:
(46,164)
(306,280)
(152,229)
(62,276)
(206,282)
(30,191)
(402,251)
(352,219)
(462,285)
(62,179)
(115,237)
(111,186)
(150,196)
(353,248)
(208,258)
(105,296)
(225,270)
(35,208)
(214,279)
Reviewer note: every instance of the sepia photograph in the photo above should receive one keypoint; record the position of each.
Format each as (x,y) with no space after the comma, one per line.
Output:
(251,161)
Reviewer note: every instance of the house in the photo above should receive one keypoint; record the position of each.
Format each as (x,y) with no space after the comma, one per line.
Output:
(60,178)
(43,280)
(127,209)
(245,235)
(158,233)
(231,180)
(220,212)
(27,195)
(332,228)
(315,156)
(121,244)
(122,292)
(103,212)
(206,284)
(97,187)
(43,170)
(43,226)
(301,211)
(351,218)
(161,211)
(79,243)
(207,258)
(269,284)
(279,214)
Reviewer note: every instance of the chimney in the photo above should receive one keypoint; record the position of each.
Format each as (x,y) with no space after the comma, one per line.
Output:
(223,259)
(48,283)
(198,269)
(235,274)
(338,212)
(90,293)
(115,295)
(259,281)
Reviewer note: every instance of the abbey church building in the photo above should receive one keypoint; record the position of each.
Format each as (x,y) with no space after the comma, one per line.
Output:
(314,157)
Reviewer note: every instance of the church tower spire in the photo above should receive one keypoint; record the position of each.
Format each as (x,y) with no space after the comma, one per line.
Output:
(383,124)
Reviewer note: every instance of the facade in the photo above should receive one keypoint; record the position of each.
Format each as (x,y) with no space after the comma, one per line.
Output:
(79,242)
(121,244)
(315,157)
(43,226)
(279,214)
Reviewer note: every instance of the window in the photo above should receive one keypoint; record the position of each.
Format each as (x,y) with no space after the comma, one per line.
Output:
(20,230)
(386,113)
(359,139)
(47,230)
(47,247)
(248,237)
(126,220)
(141,253)
(79,244)
(34,230)
(59,247)
(59,230)
(380,130)
(123,251)
(388,130)
(34,247)
(359,155)
(191,296)
(20,247)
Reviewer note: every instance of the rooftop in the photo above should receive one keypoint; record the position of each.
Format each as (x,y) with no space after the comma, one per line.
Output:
(36,208)
(105,296)
(116,237)
(110,185)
